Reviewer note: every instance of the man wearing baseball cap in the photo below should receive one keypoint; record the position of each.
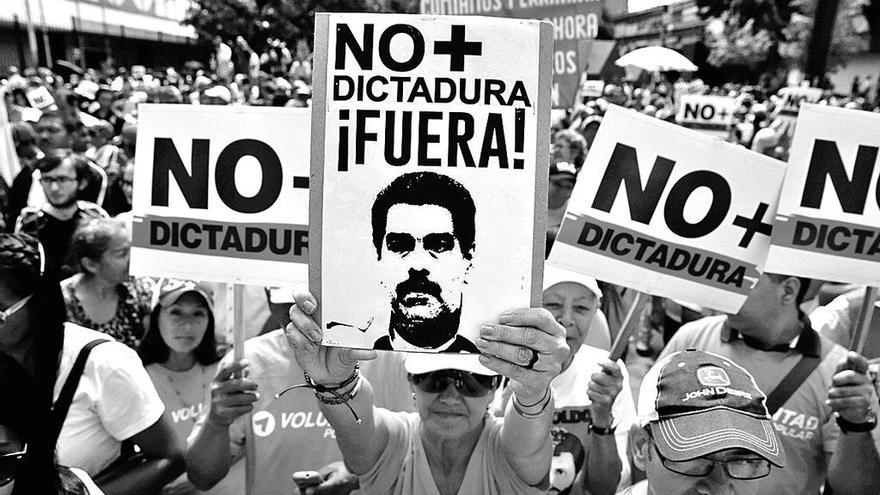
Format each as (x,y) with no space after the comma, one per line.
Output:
(562,177)
(703,428)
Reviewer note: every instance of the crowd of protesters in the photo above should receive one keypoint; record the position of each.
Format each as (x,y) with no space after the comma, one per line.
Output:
(119,384)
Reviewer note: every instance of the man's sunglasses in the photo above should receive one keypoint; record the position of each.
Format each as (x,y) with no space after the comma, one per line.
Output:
(467,384)
(742,468)
(400,243)
(9,464)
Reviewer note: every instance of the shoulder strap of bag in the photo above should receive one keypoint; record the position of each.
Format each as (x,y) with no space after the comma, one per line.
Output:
(65,398)
(791,382)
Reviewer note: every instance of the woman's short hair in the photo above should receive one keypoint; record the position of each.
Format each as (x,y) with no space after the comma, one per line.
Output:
(578,145)
(91,240)
(154,350)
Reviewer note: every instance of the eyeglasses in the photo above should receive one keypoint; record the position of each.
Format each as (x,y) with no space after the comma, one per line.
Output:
(467,384)
(400,243)
(746,468)
(9,465)
(60,181)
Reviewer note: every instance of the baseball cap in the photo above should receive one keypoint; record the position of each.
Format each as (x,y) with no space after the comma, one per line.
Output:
(556,275)
(698,403)
(421,363)
(563,169)
(169,290)
(219,92)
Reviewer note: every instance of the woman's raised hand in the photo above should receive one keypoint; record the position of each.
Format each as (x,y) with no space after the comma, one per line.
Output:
(325,365)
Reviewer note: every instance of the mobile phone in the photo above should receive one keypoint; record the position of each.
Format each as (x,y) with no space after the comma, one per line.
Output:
(304,479)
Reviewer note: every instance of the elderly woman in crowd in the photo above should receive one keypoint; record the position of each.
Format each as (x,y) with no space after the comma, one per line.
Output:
(102,296)
(451,445)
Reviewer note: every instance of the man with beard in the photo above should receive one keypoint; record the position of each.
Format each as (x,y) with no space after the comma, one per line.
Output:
(63,175)
(423,230)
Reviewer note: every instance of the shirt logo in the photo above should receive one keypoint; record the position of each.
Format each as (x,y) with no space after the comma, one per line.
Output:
(264,423)
(713,376)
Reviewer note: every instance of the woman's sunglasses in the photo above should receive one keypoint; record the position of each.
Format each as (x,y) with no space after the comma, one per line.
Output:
(467,384)
(9,464)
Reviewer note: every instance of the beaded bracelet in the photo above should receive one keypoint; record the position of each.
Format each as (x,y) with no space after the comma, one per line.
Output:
(336,398)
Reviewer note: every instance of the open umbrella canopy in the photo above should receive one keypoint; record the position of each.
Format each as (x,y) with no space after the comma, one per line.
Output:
(656,59)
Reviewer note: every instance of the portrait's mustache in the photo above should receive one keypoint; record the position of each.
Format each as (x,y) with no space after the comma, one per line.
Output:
(418,282)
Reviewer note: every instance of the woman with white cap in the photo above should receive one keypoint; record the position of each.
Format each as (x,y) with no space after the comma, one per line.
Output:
(593,402)
(451,445)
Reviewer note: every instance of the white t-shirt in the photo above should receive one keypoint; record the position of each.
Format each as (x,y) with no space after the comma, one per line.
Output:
(403,468)
(114,401)
(572,407)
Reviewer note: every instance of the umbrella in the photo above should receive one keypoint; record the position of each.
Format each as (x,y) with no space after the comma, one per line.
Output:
(656,59)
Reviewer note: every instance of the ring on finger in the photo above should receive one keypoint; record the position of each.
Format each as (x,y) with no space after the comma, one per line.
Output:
(532,361)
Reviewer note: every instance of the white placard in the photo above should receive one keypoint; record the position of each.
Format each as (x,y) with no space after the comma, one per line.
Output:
(430,176)
(670,211)
(221,194)
(829,211)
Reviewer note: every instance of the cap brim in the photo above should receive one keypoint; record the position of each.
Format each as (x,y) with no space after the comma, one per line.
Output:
(695,435)
(173,296)
(419,363)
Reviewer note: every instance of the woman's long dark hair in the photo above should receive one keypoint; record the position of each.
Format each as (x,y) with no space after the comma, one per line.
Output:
(40,473)
(154,350)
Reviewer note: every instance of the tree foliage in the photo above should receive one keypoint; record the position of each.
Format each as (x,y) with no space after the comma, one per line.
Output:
(756,33)
(287,20)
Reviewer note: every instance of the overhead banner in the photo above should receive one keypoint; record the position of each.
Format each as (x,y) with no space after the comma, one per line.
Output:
(828,223)
(221,194)
(670,212)
(710,114)
(429,170)
(573,21)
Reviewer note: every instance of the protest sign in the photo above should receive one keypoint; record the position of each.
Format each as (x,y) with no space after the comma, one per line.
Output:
(828,222)
(573,20)
(707,113)
(221,194)
(40,98)
(429,176)
(671,212)
(593,88)
(792,97)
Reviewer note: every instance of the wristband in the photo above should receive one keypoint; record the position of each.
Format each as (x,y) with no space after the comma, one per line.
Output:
(849,427)
(519,408)
(603,431)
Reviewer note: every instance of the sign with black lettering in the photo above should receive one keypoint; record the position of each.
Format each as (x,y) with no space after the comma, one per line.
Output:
(792,97)
(429,168)
(828,223)
(708,113)
(573,21)
(593,88)
(221,194)
(670,211)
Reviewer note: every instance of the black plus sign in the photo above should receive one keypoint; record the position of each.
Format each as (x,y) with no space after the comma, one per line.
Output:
(457,48)
(723,113)
(753,225)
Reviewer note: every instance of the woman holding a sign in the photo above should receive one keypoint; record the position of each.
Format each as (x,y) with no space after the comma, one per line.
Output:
(452,443)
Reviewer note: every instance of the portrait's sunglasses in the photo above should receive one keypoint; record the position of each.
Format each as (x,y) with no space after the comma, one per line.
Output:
(398,242)
(745,468)
(467,384)
(9,464)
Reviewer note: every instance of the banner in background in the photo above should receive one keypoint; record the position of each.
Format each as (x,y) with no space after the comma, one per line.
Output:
(573,20)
